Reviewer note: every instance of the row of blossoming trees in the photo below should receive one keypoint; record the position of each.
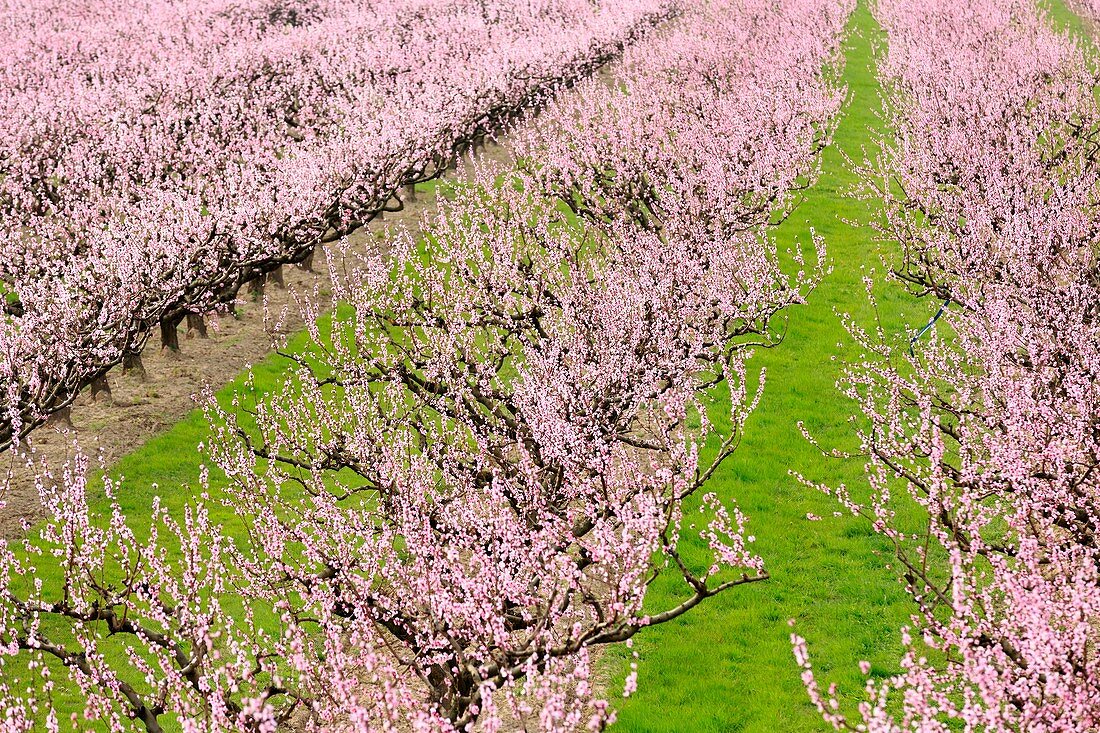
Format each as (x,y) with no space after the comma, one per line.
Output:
(156,156)
(989,434)
(477,469)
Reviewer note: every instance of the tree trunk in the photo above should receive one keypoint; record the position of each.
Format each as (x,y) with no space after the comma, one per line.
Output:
(231,304)
(256,287)
(132,363)
(169,335)
(410,192)
(196,326)
(276,276)
(307,263)
(101,385)
(62,419)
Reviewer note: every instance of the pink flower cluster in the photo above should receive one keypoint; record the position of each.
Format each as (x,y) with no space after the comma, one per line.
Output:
(984,440)
(487,455)
(155,156)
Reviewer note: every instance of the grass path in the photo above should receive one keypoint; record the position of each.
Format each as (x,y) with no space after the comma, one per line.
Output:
(728,665)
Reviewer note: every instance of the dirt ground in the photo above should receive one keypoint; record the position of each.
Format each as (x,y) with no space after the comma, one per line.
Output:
(138,409)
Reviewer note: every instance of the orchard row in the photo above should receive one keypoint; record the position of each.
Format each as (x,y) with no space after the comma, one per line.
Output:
(155,157)
(990,182)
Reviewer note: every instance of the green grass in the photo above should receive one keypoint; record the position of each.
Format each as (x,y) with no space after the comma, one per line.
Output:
(1066,20)
(728,665)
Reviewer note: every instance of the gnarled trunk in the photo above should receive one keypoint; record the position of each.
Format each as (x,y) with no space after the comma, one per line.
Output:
(132,363)
(101,385)
(169,334)
(196,326)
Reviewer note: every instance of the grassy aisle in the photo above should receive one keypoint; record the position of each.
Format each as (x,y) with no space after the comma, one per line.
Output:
(728,666)
(1065,19)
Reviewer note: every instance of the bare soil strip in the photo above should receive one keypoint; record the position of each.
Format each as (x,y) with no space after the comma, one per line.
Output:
(136,409)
